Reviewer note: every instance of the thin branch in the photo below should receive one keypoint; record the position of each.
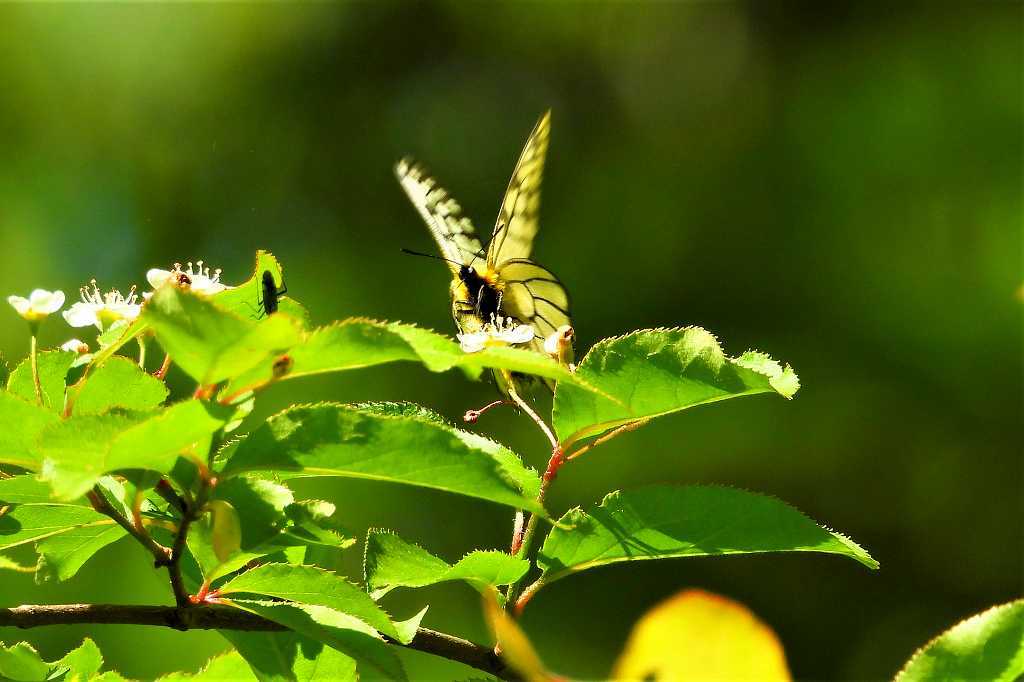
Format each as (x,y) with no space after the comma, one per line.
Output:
(625,428)
(222,617)
(165,490)
(522,538)
(161,555)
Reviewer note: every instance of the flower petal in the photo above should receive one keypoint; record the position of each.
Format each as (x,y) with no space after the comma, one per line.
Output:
(473,343)
(156,277)
(522,334)
(75,346)
(53,303)
(20,304)
(82,314)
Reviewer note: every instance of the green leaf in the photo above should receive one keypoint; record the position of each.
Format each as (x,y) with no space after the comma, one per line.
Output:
(338,440)
(986,646)
(24,523)
(82,663)
(53,368)
(114,338)
(346,633)
(356,343)
(211,344)
(312,523)
(314,586)
(60,556)
(79,450)
(278,656)
(392,562)
(229,666)
(119,383)
(21,422)
(654,372)
(245,300)
(25,489)
(21,662)
(662,522)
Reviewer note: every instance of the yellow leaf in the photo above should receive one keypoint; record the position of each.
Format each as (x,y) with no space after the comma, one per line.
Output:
(227,531)
(696,635)
(513,645)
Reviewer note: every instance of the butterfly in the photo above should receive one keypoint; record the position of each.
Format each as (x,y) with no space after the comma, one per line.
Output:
(501,283)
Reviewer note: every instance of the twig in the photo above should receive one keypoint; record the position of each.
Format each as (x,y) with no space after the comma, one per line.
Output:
(35,370)
(522,539)
(165,490)
(221,617)
(161,555)
(625,428)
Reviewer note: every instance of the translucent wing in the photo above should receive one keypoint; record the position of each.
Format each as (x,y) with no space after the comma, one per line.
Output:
(453,232)
(517,220)
(533,295)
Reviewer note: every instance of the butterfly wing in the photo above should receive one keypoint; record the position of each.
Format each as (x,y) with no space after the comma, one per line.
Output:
(453,232)
(517,219)
(533,295)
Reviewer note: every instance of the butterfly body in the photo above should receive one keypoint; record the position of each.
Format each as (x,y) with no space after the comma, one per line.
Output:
(476,298)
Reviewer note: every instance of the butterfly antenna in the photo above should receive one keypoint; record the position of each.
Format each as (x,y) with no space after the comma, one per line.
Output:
(430,255)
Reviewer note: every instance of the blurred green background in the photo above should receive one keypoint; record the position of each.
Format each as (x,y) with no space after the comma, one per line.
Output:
(837,186)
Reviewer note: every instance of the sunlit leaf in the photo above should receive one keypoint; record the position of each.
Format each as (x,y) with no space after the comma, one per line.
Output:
(516,649)
(246,299)
(118,383)
(229,666)
(53,369)
(986,646)
(654,372)
(61,555)
(22,663)
(24,523)
(79,664)
(338,440)
(78,451)
(313,586)
(356,343)
(681,521)
(346,633)
(392,562)
(115,337)
(210,343)
(21,421)
(696,636)
(275,656)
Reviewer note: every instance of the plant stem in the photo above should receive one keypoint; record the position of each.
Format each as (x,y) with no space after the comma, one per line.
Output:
(142,352)
(164,366)
(521,544)
(161,555)
(525,407)
(192,512)
(223,617)
(35,369)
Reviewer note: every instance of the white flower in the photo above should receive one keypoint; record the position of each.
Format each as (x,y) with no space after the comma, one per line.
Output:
(503,332)
(198,279)
(102,310)
(75,346)
(38,305)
